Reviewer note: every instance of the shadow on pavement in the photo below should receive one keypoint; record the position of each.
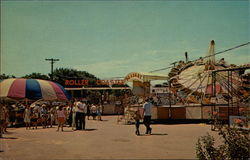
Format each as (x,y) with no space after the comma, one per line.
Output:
(9,132)
(8,138)
(154,134)
(159,134)
(179,121)
(90,129)
(68,131)
(104,120)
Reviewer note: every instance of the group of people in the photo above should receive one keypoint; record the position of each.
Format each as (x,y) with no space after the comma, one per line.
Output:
(74,115)
(81,110)
(43,114)
(71,114)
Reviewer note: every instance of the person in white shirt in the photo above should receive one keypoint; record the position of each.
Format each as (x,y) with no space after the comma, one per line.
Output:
(74,109)
(147,106)
(80,115)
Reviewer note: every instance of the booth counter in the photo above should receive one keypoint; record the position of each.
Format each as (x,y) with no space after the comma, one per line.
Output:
(181,112)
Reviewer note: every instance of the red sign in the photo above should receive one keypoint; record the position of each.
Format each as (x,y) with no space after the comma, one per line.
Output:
(80,82)
(76,82)
(134,75)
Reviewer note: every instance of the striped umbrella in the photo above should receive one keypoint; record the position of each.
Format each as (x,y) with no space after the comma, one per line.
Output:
(32,89)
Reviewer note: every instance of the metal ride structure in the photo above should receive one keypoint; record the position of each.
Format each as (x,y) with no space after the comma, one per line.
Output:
(192,81)
(220,89)
(236,99)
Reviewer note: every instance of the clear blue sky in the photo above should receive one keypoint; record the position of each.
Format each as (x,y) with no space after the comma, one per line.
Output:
(113,38)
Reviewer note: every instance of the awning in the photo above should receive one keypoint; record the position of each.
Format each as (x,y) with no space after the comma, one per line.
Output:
(144,77)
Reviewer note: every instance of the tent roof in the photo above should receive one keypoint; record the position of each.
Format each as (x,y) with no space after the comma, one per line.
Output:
(144,77)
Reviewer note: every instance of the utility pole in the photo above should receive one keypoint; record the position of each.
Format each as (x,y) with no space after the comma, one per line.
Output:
(52,61)
(169,97)
(186,56)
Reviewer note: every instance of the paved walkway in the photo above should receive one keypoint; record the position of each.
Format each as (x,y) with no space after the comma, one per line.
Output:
(103,140)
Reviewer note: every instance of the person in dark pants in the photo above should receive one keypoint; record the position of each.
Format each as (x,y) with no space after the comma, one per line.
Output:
(137,117)
(147,106)
(80,116)
(84,117)
(88,110)
(70,117)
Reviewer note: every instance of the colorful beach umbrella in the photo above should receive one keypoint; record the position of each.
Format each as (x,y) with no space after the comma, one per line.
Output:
(34,89)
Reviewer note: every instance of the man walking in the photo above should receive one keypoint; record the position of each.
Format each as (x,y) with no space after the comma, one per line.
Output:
(147,106)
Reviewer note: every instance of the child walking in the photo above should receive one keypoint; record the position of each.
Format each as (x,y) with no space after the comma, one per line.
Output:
(137,117)
(61,117)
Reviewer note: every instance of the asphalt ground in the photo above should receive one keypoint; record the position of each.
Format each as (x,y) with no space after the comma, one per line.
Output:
(104,140)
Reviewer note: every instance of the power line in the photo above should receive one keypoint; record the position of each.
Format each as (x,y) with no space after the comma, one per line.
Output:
(224,51)
(205,56)
(160,69)
(173,64)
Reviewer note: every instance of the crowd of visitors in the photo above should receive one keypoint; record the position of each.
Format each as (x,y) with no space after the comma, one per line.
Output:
(46,115)
(70,114)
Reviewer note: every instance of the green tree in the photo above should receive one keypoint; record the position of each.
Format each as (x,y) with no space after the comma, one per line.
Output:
(36,76)
(4,76)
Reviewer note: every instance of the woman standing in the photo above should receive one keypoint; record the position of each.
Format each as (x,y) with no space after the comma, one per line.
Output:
(27,116)
(61,117)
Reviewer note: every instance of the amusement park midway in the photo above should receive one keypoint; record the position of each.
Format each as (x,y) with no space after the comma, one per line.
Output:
(103,140)
(124,80)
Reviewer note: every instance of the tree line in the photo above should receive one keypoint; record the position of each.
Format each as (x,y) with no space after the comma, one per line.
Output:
(60,75)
